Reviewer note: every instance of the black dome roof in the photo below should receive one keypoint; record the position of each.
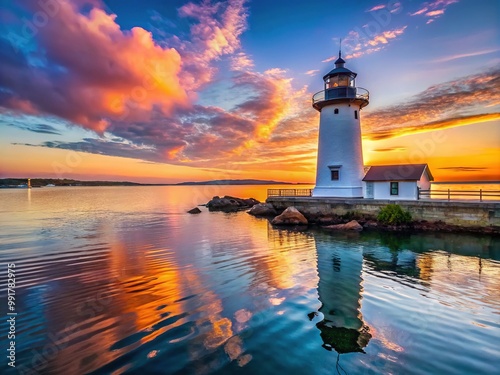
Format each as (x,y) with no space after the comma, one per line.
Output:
(339,69)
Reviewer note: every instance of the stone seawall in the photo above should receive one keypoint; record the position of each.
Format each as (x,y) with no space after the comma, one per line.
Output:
(466,214)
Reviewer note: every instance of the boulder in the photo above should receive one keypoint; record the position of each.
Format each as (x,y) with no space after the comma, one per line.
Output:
(250,202)
(291,216)
(195,210)
(370,224)
(229,204)
(262,209)
(352,225)
(328,220)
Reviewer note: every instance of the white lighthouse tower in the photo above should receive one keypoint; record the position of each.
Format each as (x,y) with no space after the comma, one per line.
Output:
(340,155)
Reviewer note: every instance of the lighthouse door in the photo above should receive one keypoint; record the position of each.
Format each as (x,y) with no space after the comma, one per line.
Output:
(369,190)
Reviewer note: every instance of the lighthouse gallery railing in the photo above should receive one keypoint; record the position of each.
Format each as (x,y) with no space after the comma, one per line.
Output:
(341,93)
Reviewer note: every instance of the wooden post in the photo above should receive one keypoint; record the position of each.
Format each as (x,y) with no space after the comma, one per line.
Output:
(480,195)
(448,194)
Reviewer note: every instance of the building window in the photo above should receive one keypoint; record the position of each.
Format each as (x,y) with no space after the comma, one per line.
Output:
(356,115)
(394,188)
(335,174)
(336,111)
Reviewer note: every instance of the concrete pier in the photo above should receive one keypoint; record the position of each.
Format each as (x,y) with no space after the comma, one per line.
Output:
(459,213)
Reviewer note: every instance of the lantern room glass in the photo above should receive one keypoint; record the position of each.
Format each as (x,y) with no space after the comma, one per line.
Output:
(339,81)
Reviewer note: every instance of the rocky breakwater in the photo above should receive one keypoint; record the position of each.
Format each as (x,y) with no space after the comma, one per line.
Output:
(230,204)
(263,210)
(351,225)
(291,216)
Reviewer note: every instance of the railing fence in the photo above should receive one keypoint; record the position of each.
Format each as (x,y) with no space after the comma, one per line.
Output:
(289,192)
(450,194)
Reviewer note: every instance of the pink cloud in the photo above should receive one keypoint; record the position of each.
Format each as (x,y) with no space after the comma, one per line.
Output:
(103,72)
(211,37)
(421,11)
(435,13)
(358,46)
(312,72)
(376,7)
(433,9)
(241,61)
(107,74)
(140,95)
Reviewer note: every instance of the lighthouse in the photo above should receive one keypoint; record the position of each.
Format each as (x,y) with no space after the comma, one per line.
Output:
(340,170)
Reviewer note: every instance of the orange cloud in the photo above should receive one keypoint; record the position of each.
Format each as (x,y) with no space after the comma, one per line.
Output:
(357,45)
(241,61)
(105,73)
(433,9)
(434,125)
(312,72)
(449,104)
(376,7)
(435,13)
(211,38)
(418,12)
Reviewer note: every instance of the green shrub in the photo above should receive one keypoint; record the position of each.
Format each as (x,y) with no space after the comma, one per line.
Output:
(393,214)
(351,215)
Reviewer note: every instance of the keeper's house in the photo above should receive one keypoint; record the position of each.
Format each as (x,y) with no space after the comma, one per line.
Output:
(396,181)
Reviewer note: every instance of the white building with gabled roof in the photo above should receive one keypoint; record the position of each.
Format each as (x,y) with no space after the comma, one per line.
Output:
(397,182)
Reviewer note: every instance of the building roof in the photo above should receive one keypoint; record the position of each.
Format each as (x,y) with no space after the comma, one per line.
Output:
(403,172)
(339,69)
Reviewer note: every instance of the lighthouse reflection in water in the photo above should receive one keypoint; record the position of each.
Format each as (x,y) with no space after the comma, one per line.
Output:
(340,261)
(340,292)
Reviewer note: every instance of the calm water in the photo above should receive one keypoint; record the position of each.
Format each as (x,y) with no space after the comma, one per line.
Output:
(114,280)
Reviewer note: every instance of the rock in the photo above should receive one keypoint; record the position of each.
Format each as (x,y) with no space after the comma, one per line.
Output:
(262,209)
(328,220)
(352,225)
(370,224)
(195,210)
(230,204)
(291,216)
(251,202)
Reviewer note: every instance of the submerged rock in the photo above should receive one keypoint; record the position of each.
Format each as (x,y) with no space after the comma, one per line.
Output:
(230,204)
(262,209)
(352,225)
(195,210)
(291,216)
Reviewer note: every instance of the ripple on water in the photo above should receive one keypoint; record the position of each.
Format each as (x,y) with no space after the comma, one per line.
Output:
(142,287)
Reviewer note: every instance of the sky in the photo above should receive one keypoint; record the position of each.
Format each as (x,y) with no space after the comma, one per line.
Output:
(169,91)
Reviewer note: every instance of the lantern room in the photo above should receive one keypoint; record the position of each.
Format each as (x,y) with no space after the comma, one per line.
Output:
(340,85)
(340,76)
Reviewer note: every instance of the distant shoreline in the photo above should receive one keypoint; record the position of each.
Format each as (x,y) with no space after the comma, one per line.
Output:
(17,183)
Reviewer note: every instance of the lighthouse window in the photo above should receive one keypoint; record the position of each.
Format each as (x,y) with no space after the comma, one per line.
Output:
(394,188)
(343,80)
(356,115)
(336,111)
(335,174)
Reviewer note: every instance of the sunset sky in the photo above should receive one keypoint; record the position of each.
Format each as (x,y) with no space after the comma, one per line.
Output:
(169,91)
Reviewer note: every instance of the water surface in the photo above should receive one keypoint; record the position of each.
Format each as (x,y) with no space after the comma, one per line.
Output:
(114,280)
